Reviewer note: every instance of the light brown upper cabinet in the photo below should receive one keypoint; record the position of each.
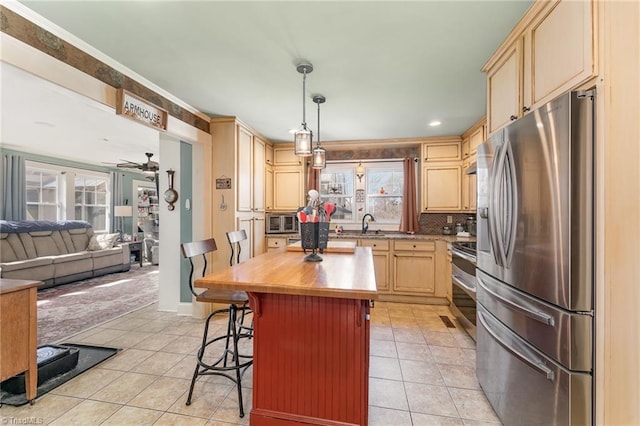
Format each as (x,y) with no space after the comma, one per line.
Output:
(475,139)
(268,155)
(250,171)
(550,52)
(284,155)
(441,187)
(286,179)
(441,151)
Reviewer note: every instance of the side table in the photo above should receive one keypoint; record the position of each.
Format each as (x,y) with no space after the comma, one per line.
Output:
(135,248)
(18,332)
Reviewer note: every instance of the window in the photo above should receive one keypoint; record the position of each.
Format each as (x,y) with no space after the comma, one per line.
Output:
(337,186)
(91,194)
(384,193)
(59,193)
(378,193)
(42,194)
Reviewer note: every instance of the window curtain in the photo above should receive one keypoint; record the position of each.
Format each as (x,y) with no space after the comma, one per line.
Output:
(14,188)
(409,220)
(117,195)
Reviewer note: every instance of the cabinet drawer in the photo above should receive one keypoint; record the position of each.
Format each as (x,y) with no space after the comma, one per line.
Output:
(276,242)
(376,245)
(415,245)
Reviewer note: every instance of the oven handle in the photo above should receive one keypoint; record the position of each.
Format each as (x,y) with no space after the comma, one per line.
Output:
(538,316)
(520,354)
(462,284)
(463,255)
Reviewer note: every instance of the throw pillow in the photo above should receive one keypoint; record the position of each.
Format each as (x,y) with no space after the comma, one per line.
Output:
(94,245)
(106,240)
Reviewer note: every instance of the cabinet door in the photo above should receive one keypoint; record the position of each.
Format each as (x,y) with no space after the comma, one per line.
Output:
(285,156)
(504,88)
(465,193)
(475,139)
(381,266)
(443,270)
(287,189)
(465,148)
(268,155)
(414,272)
(561,51)
(259,240)
(441,188)
(268,188)
(245,222)
(449,151)
(244,169)
(473,192)
(258,175)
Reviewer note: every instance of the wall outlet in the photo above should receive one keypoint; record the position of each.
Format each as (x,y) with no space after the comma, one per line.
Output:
(449,219)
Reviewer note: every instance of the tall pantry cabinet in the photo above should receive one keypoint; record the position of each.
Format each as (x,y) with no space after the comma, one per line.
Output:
(239,156)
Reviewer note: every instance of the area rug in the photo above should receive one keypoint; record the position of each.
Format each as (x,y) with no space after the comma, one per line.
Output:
(69,309)
(88,357)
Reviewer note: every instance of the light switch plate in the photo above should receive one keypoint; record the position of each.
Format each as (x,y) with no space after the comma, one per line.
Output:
(449,219)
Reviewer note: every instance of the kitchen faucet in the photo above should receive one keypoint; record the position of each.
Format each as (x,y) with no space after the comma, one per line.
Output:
(365,224)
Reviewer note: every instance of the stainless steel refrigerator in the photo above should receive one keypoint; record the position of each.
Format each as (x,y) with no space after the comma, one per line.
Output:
(535,265)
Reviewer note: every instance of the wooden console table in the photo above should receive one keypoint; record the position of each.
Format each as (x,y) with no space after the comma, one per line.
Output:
(18,332)
(311,335)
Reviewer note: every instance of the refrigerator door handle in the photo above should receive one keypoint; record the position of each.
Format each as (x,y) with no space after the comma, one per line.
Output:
(518,350)
(538,316)
(512,203)
(492,222)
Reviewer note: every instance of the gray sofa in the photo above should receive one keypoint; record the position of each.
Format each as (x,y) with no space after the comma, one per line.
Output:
(58,252)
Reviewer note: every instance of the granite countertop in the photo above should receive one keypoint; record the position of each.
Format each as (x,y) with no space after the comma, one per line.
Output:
(390,235)
(399,236)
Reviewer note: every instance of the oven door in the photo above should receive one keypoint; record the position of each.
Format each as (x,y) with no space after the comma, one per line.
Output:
(274,224)
(463,295)
(289,223)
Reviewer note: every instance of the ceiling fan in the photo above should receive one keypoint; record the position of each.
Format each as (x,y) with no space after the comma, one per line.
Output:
(149,167)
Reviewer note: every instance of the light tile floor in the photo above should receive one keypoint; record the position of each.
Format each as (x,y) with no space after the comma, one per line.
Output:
(421,373)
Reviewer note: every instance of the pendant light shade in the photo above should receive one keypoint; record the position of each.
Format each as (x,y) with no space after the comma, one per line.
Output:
(303,136)
(319,158)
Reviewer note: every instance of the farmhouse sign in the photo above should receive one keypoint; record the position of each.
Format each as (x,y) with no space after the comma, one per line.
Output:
(137,109)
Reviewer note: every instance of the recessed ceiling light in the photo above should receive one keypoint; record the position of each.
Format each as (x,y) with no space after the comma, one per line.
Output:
(435,123)
(44,123)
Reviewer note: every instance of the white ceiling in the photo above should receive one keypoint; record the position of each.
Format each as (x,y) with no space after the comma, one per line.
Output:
(386,68)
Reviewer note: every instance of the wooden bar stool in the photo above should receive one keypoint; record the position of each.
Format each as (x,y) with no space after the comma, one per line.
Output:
(229,362)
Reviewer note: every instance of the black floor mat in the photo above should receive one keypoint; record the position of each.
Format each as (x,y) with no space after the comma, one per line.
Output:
(88,357)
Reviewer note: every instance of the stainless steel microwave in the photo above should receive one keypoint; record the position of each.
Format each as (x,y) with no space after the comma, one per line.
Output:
(282,223)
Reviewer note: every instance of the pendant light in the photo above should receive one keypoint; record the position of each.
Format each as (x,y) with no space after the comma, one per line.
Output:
(319,158)
(303,136)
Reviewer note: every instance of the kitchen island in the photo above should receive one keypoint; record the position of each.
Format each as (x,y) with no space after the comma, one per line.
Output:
(311,334)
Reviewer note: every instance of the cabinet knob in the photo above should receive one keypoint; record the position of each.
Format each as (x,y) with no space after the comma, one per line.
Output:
(414,246)
(526,109)
(513,117)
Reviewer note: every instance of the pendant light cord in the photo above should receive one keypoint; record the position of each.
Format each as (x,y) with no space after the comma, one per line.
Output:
(318,130)
(304,91)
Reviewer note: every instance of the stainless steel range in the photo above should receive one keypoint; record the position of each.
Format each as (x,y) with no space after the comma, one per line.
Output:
(463,278)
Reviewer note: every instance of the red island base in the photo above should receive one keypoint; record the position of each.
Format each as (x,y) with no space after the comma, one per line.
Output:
(310,360)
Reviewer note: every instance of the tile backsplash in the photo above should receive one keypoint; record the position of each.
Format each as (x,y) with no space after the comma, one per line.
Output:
(432,223)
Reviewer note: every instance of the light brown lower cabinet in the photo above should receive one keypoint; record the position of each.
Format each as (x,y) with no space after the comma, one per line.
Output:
(380,249)
(414,267)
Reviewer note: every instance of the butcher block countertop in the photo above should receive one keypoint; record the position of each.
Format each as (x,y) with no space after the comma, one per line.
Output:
(339,275)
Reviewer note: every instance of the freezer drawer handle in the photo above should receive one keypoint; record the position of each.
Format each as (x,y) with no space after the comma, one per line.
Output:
(462,284)
(538,316)
(538,365)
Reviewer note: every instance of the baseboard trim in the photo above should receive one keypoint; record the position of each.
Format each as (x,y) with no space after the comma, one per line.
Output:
(185,309)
